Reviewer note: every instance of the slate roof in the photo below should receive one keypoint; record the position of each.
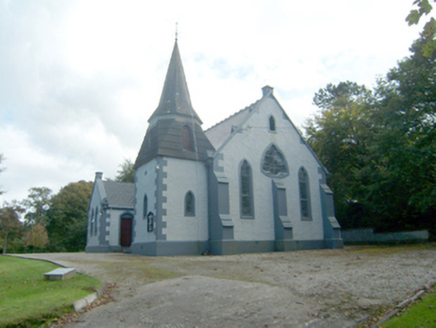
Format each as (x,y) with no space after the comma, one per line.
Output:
(119,194)
(219,133)
(164,134)
(175,98)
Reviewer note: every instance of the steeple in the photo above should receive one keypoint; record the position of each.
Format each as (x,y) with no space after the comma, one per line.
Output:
(174,128)
(175,99)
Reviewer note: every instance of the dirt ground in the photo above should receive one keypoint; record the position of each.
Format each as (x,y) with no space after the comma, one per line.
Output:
(321,288)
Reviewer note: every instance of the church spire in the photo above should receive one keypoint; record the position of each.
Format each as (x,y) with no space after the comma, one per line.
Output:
(174,130)
(175,99)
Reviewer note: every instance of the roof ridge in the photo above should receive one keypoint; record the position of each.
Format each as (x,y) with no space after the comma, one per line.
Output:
(110,180)
(231,116)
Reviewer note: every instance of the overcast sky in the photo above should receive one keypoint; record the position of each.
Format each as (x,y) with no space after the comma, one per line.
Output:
(79,79)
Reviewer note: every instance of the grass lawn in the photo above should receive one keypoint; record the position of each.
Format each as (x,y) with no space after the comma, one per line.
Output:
(27,299)
(420,314)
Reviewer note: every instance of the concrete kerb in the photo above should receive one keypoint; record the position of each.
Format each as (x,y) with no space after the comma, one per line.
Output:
(403,304)
(91,298)
(82,303)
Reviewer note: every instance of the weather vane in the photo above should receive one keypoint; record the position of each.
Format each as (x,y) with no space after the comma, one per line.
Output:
(177,30)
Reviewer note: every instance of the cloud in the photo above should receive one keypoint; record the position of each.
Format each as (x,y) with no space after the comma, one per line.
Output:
(80,79)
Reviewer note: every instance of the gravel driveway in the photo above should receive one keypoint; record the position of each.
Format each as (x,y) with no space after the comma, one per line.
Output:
(320,288)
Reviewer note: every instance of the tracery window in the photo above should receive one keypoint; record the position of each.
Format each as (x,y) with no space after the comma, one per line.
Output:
(246,182)
(187,138)
(303,180)
(189,204)
(274,163)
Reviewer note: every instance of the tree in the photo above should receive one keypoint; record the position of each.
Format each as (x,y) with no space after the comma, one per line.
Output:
(36,237)
(406,144)
(37,205)
(340,135)
(380,146)
(126,172)
(68,217)
(10,225)
(429,31)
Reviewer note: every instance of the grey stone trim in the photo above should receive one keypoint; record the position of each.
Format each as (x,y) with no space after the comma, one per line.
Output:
(170,248)
(282,223)
(216,166)
(103,249)
(102,233)
(220,222)
(218,247)
(331,227)
(161,212)
(230,247)
(299,245)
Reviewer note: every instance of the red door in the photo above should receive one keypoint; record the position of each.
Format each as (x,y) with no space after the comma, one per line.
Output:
(126,232)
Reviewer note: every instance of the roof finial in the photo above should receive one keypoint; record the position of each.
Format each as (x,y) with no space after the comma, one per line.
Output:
(177,31)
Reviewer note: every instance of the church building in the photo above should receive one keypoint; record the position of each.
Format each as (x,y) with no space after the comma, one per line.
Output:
(248,184)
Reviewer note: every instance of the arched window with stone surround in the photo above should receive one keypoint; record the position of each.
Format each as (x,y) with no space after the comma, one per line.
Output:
(189,204)
(187,138)
(303,181)
(246,190)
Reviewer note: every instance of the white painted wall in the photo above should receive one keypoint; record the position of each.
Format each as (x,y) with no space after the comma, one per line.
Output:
(145,184)
(250,144)
(92,240)
(184,176)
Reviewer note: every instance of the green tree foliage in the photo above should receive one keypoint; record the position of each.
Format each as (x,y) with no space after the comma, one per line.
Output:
(10,225)
(340,135)
(380,146)
(37,205)
(68,217)
(406,144)
(429,31)
(126,172)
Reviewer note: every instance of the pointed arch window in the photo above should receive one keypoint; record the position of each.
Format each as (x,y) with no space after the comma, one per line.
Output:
(272,124)
(96,221)
(145,207)
(189,204)
(246,189)
(303,180)
(91,229)
(187,138)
